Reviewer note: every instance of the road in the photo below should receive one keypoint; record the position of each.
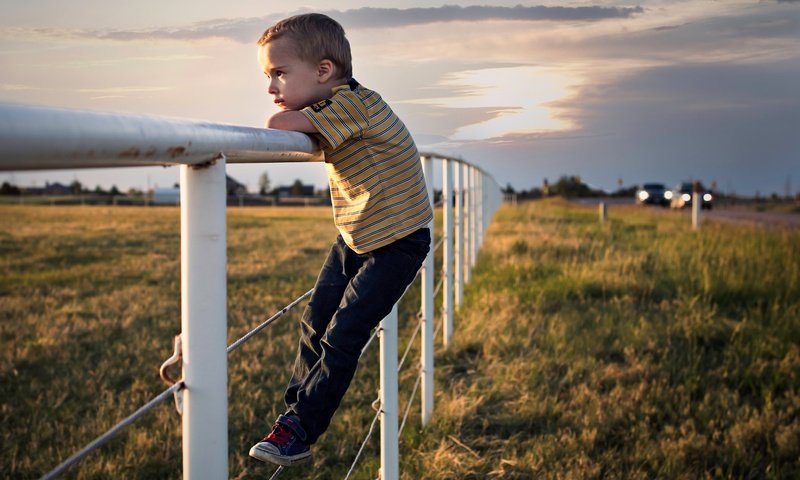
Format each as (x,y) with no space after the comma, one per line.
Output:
(718,214)
(748,216)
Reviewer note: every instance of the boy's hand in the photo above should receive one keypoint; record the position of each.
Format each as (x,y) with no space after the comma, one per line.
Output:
(290,120)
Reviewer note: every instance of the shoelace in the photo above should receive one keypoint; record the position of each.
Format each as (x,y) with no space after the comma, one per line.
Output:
(279,435)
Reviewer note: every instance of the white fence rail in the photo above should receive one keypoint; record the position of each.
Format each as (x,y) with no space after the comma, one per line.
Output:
(34,138)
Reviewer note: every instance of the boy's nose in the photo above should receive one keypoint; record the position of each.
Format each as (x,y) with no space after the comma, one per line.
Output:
(271,88)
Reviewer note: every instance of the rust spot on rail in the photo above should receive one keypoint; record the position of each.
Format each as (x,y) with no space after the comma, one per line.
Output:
(132,152)
(175,152)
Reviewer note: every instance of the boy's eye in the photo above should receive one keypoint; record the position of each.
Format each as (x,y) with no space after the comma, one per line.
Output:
(279,73)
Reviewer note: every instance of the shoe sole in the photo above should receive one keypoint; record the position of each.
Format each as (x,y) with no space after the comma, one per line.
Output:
(259,454)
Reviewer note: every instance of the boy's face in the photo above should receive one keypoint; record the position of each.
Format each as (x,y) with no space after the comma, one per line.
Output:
(294,83)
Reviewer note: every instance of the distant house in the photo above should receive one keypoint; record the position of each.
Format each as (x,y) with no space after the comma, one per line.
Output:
(172,195)
(296,190)
(167,196)
(57,189)
(234,188)
(48,189)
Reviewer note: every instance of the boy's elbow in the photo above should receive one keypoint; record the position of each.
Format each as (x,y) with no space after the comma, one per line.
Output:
(276,122)
(290,120)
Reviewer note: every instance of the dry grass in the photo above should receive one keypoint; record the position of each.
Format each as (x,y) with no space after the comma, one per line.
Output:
(638,349)
(89,303)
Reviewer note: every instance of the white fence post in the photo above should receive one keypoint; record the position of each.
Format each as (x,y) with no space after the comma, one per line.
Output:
(390,452)
(480,211)
(428,280)
(204,321)
(447,209)
(460,183)
(473,203)
(485,196)
(467,216)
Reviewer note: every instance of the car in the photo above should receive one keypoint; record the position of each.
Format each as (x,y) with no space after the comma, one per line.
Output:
(681,196)
(652,194)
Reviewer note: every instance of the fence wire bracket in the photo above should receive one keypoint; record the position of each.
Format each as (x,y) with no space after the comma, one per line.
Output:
(177,357)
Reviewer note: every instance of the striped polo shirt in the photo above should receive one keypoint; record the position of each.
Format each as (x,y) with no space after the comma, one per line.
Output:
(377,186)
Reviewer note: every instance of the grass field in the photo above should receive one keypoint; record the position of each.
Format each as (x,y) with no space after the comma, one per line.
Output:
(634,349)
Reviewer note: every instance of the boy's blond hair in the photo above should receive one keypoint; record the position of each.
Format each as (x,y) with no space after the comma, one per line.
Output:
(316,37)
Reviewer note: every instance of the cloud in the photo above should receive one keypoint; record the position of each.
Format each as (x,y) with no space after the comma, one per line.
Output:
(666,27)
(515,99)
(747,35)
(122,90)
(734,124)
(393,17)
(15,87)
(239,30)
(248,29)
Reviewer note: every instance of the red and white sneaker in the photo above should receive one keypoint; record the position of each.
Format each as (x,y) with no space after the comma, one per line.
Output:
(285,445)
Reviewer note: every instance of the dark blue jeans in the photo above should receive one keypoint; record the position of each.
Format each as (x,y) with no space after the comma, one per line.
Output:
(353,293)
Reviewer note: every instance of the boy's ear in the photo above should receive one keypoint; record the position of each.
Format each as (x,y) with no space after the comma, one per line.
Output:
(325,70)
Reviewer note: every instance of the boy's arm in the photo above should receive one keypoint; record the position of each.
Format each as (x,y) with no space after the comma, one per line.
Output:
(291,120)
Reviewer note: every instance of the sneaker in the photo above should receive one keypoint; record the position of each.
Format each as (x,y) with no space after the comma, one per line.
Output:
(285,445)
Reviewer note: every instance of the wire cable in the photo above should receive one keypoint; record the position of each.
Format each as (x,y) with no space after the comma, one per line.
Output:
(364,443)
(410,402)
(268,321)
(277,473)
(410,344)
(104,438)
(375,333)
(438,328)
(438,287)
(438,244)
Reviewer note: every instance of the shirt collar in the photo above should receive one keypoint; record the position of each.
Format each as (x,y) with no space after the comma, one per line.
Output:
(351,84)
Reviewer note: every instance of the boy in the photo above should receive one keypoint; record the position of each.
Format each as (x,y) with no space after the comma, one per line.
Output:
(380,207)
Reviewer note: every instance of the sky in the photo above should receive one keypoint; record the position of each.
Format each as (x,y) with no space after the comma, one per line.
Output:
(617,93)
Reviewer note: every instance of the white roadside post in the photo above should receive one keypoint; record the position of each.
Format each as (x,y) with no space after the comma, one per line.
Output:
(459,236)
(204,321)
(390,450)
(447,208)
(697,202)
(427,310)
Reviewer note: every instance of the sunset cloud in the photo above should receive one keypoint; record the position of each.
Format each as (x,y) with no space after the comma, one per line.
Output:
(248,29)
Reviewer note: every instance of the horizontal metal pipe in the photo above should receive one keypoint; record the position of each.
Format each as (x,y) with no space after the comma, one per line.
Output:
(438,156)
(39,138)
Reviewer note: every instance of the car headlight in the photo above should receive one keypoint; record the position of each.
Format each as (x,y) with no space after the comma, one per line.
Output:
(668,195)
(643,195)
(686,197)
(707,197)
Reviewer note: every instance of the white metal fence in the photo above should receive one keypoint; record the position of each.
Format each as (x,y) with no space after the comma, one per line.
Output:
(34,138)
